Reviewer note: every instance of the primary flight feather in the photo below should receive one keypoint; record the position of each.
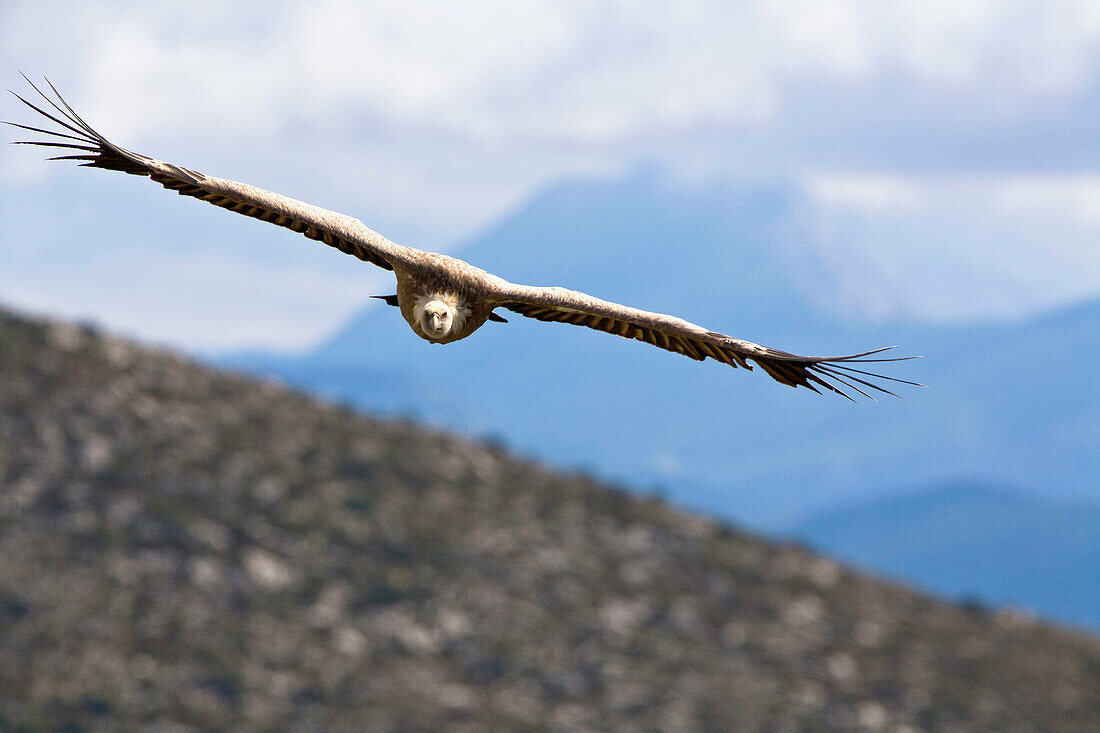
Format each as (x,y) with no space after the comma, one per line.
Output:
(445,299)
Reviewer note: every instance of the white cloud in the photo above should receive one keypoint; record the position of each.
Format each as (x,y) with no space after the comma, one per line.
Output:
(534,70)
(955,248)
(1075,198)
(868,193)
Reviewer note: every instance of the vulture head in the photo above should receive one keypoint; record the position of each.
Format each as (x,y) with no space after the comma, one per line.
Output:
(439,316)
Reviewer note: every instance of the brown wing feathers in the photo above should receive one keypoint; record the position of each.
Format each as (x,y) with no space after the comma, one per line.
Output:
(831,373)
(93,150)
(615,326)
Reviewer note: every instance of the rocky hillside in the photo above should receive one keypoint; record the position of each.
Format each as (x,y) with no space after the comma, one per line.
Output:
(187,550)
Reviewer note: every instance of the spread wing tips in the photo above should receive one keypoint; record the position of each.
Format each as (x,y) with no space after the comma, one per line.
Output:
(842,377)
(68,113)
(848,379)
(81,127)
(878,376)
(836,373)
(96,150)
(79,134)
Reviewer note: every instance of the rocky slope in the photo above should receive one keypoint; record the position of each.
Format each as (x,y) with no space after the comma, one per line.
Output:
(187,550)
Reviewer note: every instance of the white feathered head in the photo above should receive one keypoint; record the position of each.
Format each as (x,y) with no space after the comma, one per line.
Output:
(440,314)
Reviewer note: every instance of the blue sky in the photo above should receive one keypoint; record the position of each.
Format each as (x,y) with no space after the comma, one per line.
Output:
(934,140)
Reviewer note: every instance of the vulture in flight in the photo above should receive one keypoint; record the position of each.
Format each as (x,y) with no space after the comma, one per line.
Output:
(445,299)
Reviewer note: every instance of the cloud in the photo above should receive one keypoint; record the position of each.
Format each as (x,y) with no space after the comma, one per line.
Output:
(951,248)
(1073,198)
(521,72)
(868,193)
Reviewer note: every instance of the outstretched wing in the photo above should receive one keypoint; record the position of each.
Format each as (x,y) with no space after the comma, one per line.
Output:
(834,373)
(337,230)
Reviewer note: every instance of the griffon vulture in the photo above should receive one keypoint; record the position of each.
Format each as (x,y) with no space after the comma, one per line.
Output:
(443,298)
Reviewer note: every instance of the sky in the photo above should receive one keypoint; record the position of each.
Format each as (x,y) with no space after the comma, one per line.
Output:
(921,132)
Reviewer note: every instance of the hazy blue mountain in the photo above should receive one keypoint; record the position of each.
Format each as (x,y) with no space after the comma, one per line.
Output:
(967,539)
(1010,403)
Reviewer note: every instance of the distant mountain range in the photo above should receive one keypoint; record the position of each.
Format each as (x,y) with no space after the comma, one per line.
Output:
(1008,403)
(974,541)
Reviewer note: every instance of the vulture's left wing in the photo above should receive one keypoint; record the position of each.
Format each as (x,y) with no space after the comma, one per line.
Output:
(834,373)
(337,230)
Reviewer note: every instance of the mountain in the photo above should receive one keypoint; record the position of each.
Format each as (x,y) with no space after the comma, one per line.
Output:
(182,549)
(1005,401)
(967,539)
